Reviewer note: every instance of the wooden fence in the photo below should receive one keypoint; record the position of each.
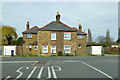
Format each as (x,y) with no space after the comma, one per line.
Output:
(111,49)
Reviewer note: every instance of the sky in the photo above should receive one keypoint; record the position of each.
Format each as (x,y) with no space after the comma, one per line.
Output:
(97,16)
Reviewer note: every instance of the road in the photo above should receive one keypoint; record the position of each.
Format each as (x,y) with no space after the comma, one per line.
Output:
(84,68)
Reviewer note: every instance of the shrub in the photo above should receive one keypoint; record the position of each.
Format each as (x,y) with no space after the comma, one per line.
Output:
(59,53)
(68,54)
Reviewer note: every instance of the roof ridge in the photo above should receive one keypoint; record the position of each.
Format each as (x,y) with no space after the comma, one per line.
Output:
(46,25)
(79,30)
(30,29)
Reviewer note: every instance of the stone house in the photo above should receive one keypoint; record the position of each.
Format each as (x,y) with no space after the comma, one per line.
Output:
(54,37)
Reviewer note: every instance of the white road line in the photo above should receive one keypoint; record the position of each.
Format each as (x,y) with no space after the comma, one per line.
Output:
(40,73)
(20,73)
(53,71)
(27,67)
(17,61)
(31,73)
(49,73)
(98,70)
(35,62)
(7,77)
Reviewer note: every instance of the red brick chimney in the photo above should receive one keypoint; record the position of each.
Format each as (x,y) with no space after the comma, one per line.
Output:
(27,25)
(80,27)
(58,18)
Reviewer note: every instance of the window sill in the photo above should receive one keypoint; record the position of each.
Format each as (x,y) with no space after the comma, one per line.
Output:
(28,38)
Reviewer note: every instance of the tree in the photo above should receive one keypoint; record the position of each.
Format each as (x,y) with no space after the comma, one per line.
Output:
(8,35)
(118,41)
(89,37)
(109,39)
(100,39)
(19,41)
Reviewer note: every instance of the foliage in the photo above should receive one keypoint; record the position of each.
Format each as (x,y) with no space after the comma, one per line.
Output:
(19,41)
(52,55)
(118,41)
(59,53)
(8,35)
(68,54)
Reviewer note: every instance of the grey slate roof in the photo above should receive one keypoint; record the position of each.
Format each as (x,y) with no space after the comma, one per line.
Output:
(33,30)
(80,32)
(53,26)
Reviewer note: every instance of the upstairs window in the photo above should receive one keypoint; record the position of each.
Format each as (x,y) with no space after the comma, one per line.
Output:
(80,36)
(53,48)
(53,36)
(44,48)
(67,48)
(30,46)
(67,36)
(29,35)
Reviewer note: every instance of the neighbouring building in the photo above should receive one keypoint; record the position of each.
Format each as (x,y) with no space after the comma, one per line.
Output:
(54,37)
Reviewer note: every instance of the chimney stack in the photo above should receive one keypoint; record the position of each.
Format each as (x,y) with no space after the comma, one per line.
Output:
(58,18)
(27,25)
(80,27)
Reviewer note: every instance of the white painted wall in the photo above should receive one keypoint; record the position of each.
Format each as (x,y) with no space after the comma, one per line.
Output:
(96,50)
(7,50)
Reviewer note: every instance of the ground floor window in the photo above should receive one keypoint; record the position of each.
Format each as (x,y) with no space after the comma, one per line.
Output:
(53,48)
(30,46)
(44,48)
(67,48)
(35,47)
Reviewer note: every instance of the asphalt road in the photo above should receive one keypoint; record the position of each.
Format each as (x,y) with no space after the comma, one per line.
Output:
(81,68)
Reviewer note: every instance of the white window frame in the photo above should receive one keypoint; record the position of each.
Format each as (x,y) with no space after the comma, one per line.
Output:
(67,36)
(79,46)
(67,48)
(53,49)
(80,36)
(53,36)
(28,35)
(30,46)
(44,48)
(36,47)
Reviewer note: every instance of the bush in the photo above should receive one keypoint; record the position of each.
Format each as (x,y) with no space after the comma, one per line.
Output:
(68,54)
(52,55)
(59,53)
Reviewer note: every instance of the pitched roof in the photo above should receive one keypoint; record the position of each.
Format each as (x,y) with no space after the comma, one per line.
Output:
(53,26)
(79,31)
(33,30)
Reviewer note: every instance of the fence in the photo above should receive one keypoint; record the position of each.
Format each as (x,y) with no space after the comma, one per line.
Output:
(111,49)
(19,50)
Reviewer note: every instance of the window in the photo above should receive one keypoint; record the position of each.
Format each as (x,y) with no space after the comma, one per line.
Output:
(80,36)
(29,35)
(53,48)
(79,46)
(45,49)
(35,47)
(67,36)
(67,48)
(30,46)
(53,36)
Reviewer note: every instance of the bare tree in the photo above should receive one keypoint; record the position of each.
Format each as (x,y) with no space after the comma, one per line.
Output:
(89,36)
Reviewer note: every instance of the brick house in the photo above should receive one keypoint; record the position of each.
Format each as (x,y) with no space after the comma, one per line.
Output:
(54,37)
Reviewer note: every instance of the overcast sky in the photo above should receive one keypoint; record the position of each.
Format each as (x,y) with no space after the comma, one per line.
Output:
(98,16)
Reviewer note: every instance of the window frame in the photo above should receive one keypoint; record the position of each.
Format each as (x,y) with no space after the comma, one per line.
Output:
(44,48)
(80,46)
(66,36)
(79,36)
(67,48)
(28,35)
(53,48)
(30,46)
(53,36)
(35,46)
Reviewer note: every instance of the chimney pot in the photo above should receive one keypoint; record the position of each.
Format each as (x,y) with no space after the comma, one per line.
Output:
(80,27)
(58,17)
(27,25)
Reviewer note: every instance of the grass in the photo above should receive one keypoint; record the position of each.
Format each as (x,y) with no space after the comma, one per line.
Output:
(112,53)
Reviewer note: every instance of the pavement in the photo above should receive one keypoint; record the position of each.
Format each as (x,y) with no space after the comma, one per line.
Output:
(60,68)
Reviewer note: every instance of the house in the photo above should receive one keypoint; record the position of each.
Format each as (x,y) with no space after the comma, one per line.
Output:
(54,37)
